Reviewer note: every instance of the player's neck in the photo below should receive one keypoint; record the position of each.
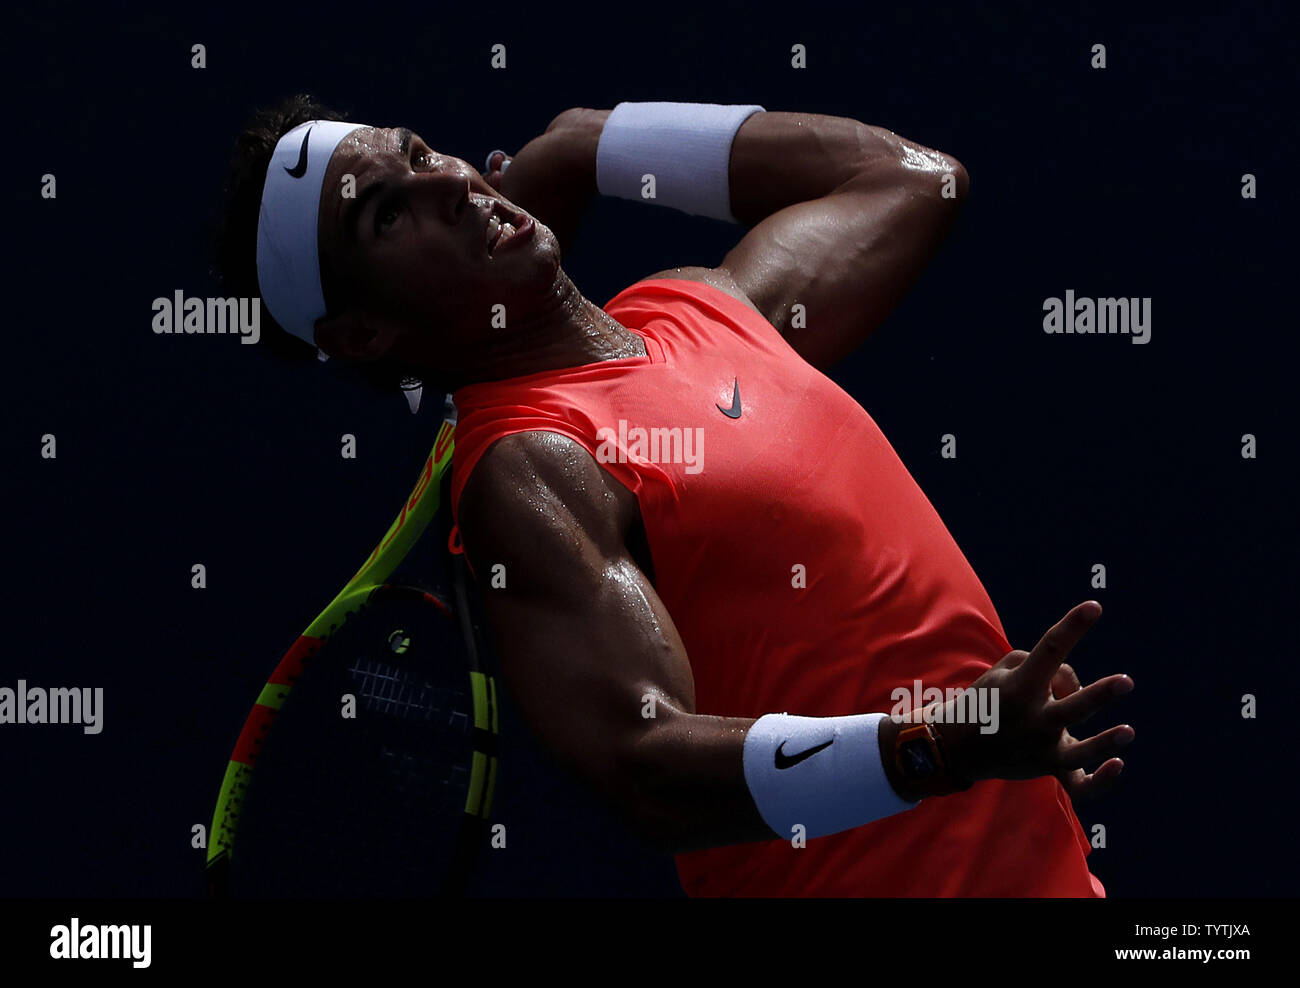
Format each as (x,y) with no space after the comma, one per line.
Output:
(567,330)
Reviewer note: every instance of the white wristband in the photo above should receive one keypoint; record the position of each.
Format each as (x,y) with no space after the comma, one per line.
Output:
(685,146)
(822,773)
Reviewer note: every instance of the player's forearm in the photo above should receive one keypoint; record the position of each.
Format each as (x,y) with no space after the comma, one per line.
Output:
(686,787)
(779,159)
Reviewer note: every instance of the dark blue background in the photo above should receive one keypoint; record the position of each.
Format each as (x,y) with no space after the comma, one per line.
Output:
(1072,450)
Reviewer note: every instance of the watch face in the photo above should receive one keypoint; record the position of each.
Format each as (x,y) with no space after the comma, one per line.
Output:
(916,759)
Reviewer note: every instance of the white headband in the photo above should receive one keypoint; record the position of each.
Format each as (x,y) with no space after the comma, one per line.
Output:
(288,261)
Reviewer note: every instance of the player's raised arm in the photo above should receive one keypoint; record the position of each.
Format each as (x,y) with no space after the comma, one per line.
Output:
(845,215)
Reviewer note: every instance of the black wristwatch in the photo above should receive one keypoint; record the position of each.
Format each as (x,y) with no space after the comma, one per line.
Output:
(922,764)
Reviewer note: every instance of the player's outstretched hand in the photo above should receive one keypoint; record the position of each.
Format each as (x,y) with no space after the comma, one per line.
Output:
(1039,698)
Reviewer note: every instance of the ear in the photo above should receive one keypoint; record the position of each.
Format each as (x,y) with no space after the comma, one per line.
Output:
(355,335)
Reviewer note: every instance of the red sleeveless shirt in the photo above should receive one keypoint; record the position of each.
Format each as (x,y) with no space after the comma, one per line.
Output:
(806,573)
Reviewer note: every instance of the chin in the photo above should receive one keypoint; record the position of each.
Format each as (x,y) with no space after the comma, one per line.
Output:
(544,257)
(546,243)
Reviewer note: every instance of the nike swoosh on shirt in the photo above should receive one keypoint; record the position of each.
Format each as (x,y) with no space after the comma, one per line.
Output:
(300,169)
(786,761)
(734,411)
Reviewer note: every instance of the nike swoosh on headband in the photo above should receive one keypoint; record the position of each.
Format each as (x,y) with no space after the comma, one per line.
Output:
(300,169)
(288,262)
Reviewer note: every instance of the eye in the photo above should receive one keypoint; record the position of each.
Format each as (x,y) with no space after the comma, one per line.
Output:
(386,215)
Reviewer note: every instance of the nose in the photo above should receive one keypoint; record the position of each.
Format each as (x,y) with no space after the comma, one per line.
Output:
(448,182)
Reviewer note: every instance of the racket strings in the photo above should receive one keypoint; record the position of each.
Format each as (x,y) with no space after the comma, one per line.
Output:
(372,802)
(392,690)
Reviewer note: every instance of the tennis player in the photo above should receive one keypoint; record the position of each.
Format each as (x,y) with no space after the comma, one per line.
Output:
(706,572)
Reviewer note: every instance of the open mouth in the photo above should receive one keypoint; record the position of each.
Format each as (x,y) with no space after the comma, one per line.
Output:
(506,227)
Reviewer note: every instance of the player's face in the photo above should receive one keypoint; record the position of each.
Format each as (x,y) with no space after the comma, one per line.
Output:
(420,241)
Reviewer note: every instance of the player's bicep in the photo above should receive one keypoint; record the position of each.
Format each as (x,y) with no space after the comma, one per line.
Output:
(585,644)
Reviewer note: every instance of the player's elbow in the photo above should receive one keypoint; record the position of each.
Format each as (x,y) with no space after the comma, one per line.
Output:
(887,163)
(633,790)
(647,792)
(937,178)
(960,179)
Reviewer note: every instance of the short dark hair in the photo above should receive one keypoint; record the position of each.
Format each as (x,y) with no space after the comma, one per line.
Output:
(234,242)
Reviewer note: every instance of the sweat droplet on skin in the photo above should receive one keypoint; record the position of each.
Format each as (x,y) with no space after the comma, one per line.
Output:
(925,160)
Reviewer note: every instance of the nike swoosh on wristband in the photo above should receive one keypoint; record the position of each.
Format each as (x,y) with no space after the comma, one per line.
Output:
(786,761)
(300,169)
(734,411)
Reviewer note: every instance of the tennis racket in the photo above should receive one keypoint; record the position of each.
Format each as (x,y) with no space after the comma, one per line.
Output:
(368,763)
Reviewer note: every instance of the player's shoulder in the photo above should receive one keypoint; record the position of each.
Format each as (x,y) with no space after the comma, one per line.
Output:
(531,487)
(719,278)
(537,456)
